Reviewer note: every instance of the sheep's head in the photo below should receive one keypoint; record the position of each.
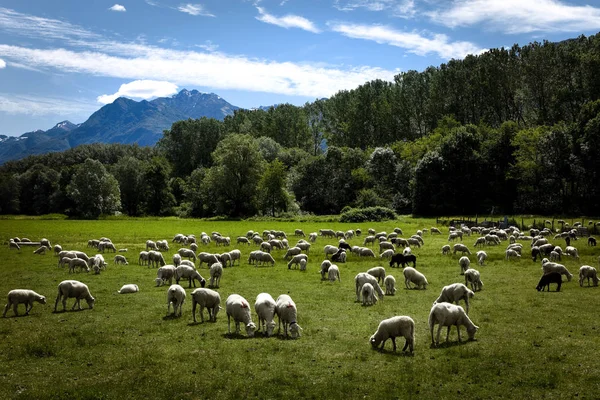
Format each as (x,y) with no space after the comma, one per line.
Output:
(374,342)
(471,331)
(42,300)
(202,282)
(295,330)
(250,328)
(270,328)
(90,301)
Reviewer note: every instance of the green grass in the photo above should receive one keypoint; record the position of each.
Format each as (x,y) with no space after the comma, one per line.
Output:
(530,344)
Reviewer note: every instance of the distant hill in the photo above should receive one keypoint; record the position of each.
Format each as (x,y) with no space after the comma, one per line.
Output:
(123,121)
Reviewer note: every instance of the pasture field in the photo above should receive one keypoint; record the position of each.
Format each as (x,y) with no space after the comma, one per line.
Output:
(529,345)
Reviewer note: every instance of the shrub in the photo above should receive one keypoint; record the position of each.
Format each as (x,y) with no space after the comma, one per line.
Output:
(367,214)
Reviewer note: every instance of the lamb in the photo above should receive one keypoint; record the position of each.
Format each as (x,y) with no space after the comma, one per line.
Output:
(366,252)
(446,249)
(235,255)
(22,296)
(207,258)
(572,251)
(333,273)
(340,256)
(481,257)
(216,271)
(164,274)
(393,327)
(454,293)
(187,253)
(390,285)
(303,265)
(155,258)
(287,312)
(325,265)
(175,296)
(549,267)
(462,248)
(445,314)
(185,271)
(78,262)
(414,276)
(130,288)
(206,298)
(57,249)
(292,251)
(73,289)
(162,245)
(119,259)
(369,297)
(328,249)
(144,258)
(386,246)
(512,254)
(473,277)
(377,272)
(238,308)
(265,310)
(588,272)
(387,254)
(362,278)
(547,279)
(464,263)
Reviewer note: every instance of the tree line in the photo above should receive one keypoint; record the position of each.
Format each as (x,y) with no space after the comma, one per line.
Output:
(508,131)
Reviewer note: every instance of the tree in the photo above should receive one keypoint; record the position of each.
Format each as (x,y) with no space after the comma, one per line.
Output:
(40,190)
(158,197)
(94,190)
(129,173)
(271,193)
(9,194)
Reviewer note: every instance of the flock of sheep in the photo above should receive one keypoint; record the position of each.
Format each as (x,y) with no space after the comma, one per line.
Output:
(443,313)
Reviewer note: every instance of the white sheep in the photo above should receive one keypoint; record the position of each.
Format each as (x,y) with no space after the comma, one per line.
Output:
(585,271)
(549,267)
(464,264)
(175,296)
(386,246)
(264,258)
(366,252)
(22,296)
(572,251)
(206,298)
(333,273)
(207,258)
(287,313)
(162,245)
(73,289)
(411,275)
(130,288)
(454,293)
(446,249)
(238,308)
(164,274)
(329,249)
(512,254)
(445,314)
(265,310)
(377,272)
(78,262)
(369,297)
(13,245)
(144,258)
(216,271)
(40,250)
(119,259)
(57,249)
(303,265)
(387,254)
(325,265)
(390,285)
(473,277)
(296,260)
(462,248)
(481,257)
(362,278)
(235,255)
(187,253)
(312,237)
(156,259)
(393,327)
(185,271)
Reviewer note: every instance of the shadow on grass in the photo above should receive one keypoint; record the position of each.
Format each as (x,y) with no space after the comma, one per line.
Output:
(237,336)
(397,353)
(170,317)
(69,311)
(446,345)
(201,322)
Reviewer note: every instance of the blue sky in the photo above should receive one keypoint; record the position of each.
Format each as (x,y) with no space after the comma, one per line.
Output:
(65,59)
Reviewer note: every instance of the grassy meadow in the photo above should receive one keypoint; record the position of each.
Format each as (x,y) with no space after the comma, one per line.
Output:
(529,344)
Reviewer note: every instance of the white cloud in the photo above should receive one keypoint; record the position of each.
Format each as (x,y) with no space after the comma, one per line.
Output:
(142,89)
(2,63)
(398,8)
(519,16)
(208,46)
(118,7)
(194,9)
(287,21)
(411,41)
(37,106)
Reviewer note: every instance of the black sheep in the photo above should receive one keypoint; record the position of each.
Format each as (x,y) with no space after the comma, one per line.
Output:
(401,259)
(546,280)
(591,241)
(345,246)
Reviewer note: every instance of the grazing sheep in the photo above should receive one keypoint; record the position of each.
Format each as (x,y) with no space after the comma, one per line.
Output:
(187,253)
(464,264)
(480,242)
(591,241)
(400,259)
(122,250)
(292,251)
(265,310)
(188,263)
(130,288)
(163,245)
(303,265)
(588,272)
(445,314)
(78,263)
(175,296)
(387,254)
(328,249)
(22,296)
(325,265)
(481,257)
(414,242)
(304,246)
(390,285)
(155,259)
(369,240)
(57,249)
(235,255)
(164,274)
(462,248)
(176,259)
(554,256)
(185,271)
(287,313)
(377,272)
(393,327)
(41,250)
(266,247)
(414,276)
(296,260)
(333,273)
(547,279)
(216,271)
(446,249)
(206,298)
(207,258)
(339,256)
(224,258)
(434,230)
(386,246)
(144,258)
(454,293)
(362,278)
(119,259)
(512,254)
(549,267)
(312,237)
(243,240)
(238,308)
(369,297)
(572,251)
(473,277)
(73,289)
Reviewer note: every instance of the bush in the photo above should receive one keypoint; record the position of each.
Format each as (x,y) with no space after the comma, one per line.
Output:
(373,214)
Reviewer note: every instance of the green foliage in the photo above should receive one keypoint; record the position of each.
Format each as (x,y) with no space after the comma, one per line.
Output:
(93,190)
(158,198)
(369,214)
(272,195)
(129,172)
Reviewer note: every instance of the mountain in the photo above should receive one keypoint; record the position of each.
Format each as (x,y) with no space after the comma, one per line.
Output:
(123,121)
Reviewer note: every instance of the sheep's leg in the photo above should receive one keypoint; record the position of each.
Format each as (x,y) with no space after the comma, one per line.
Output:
(438,334)
(394,342)
(6,309)
(168,307)
(28,307)
(15,309)
(228,324)
(457,331)
(64,302)
(448,333)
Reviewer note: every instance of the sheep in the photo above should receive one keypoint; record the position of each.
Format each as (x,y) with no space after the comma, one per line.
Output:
(224,258)
(365,252)
(414,276)
(188,263)
(390,285)
(144,258)
(265,310)
(400,258)
(155,259)
(369,297)
(130,288)
(547,279)
(362,278)
(164,274)
(292,251)
(340,256)
(333,273)
(78,290)
(325,265)
(328,249)
(445,314)
(312,237)
(554,256)
(238,308)
(453,236)
(299,232)
(386,246)
(549,267)
(588,272)
(243,240)
(162,245)
(591,241)
(223,240)
(481,257)
(119,259)
(13,245)
(185,271)
(206,298)
(387,254)
(296,260)
(369,240)
(464,264)
(480,242)
(462,248)
(377,272)
(207,258)
(235,255)
(446,249)
(473,277)
(97,263)
(303,265)
(572,251)
(512,254)
(266,247)
(265,258)
(216,271)
(407,251)
(102,246)
(175,296)
(414,242)
(187,253)
(454,293)
(287,313)
(22,296)
(393,327)
(78,262)
(304,246)
(57,249)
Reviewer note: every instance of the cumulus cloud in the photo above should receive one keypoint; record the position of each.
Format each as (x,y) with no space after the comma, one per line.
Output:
(287,21)
(411,41)
(208,46)
(141,89)
(195,10)
(118,7)
(2,63)
(519,16)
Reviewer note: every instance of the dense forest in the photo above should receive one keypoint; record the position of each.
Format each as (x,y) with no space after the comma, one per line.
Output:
(507,131)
